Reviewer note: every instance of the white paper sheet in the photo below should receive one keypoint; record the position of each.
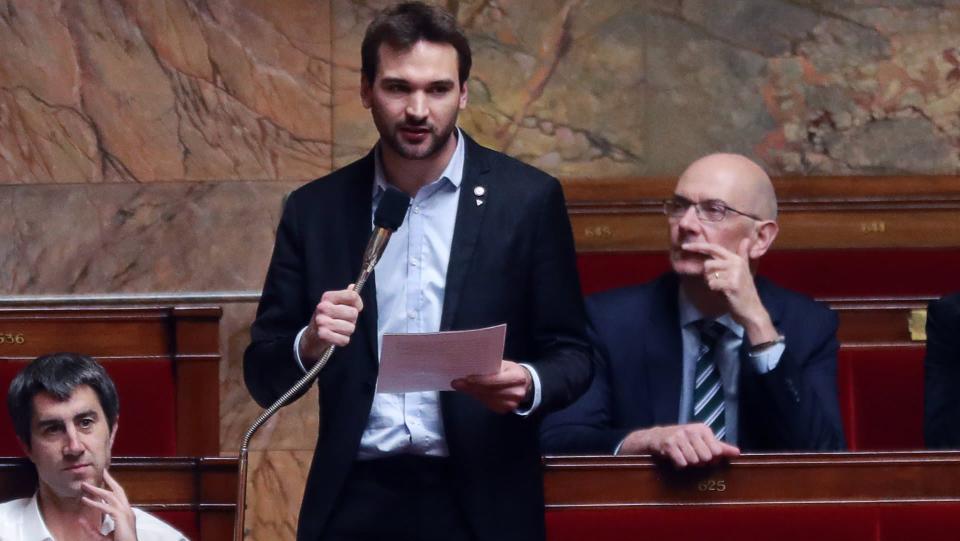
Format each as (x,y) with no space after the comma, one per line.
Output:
(430,361)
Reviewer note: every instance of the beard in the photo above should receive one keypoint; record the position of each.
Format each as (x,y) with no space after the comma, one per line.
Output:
(435,139)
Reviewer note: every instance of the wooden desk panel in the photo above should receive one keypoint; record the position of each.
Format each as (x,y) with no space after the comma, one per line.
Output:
(755,479)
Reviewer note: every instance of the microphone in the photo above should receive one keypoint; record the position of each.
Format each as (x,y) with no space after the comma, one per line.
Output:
(390,213)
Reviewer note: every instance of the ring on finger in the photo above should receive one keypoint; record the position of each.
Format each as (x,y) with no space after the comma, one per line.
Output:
(716,275)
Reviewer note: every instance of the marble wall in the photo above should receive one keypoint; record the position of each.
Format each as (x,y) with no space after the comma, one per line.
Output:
(146,145)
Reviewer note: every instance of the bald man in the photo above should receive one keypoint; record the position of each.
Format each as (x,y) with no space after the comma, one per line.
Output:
(709,358)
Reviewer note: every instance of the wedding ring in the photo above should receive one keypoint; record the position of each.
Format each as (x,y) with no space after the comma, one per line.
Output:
(716,275)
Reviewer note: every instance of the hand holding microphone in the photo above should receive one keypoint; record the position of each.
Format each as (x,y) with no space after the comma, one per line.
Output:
(333,322)
(335,316)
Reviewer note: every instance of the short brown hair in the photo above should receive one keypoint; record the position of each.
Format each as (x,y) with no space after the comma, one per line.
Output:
(401,26)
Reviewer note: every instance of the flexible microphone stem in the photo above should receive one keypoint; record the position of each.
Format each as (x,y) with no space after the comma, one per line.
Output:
(375,247)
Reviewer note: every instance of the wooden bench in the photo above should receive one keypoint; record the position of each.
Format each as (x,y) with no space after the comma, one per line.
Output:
(837,496)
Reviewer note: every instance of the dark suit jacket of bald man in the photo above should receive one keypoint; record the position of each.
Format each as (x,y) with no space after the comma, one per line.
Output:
(512,261)
(636,332)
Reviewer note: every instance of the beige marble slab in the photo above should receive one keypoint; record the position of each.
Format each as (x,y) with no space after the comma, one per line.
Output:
(275,484)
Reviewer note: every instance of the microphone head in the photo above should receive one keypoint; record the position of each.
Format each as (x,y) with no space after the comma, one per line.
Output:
(392,209)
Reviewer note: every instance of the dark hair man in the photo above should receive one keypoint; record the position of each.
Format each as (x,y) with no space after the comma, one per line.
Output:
(709,358)
(64,409)
(486,241)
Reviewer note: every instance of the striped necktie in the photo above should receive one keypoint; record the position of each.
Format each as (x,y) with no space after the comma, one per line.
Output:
(708,400)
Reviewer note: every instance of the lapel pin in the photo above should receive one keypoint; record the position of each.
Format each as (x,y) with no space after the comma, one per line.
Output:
(479,191)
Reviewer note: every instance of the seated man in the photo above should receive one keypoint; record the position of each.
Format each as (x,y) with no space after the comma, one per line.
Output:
(64,409)
(941,423)
(708,359)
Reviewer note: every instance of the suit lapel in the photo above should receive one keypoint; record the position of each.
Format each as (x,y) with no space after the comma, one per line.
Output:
(359,202)
(665,349)
(466,232)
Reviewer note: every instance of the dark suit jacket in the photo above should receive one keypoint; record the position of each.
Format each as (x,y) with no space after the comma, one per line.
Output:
(941,423)
(637,335)
(512,261)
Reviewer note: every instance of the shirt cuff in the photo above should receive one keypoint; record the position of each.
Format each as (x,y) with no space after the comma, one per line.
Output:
(766,360)
(536,392)
(296,349)
(616,450)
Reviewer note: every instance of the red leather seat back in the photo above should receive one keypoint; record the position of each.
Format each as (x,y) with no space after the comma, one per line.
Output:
(822,522)
(185,521)
(881,397)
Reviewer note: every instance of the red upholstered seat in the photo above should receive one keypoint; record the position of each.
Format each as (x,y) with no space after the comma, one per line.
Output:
(881,397)
(818,273)
(832,522)
(185,521)
(147,407)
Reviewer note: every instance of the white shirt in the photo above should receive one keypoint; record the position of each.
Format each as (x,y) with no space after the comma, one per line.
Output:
(20,520)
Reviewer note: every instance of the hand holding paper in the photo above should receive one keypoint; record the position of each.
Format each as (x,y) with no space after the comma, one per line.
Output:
(502,392)
(431,361)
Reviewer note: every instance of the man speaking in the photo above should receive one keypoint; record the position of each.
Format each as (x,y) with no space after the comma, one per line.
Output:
(486,241)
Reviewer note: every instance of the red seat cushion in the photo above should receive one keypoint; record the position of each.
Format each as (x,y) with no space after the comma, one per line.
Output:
(185,521)
(881,397)
(147,407)
(823,522)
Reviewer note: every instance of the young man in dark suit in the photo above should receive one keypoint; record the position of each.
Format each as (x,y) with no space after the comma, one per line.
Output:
(486,241)
(708,358)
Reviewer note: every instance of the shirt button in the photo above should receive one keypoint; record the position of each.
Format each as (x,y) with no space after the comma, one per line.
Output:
(413,262)
(416,210)
(411,314)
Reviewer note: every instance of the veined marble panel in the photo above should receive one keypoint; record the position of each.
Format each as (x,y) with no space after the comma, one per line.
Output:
(294,428)
(275,484)
(138,90)
(123,238)
(814,87)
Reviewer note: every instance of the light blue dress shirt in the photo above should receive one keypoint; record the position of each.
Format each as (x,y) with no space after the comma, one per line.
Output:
(411,279)
(728,361)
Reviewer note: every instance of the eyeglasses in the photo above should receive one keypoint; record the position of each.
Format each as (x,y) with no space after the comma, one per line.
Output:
(711,210)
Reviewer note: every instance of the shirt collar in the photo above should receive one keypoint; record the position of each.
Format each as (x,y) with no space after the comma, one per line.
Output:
(689,315)
(453,172)
(35,529)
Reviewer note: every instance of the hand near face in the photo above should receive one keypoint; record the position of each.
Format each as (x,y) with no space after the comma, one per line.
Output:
(729,273)
(502,392)
(684,445)
(333,322)
(111,501)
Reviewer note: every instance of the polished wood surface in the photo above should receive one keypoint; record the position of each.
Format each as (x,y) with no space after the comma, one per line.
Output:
(202,485)
(815,212)
(834,478)
(188,336)
(881,321)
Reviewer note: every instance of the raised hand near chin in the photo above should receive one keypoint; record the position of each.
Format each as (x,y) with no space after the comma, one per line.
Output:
(729,273)
(110,501)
